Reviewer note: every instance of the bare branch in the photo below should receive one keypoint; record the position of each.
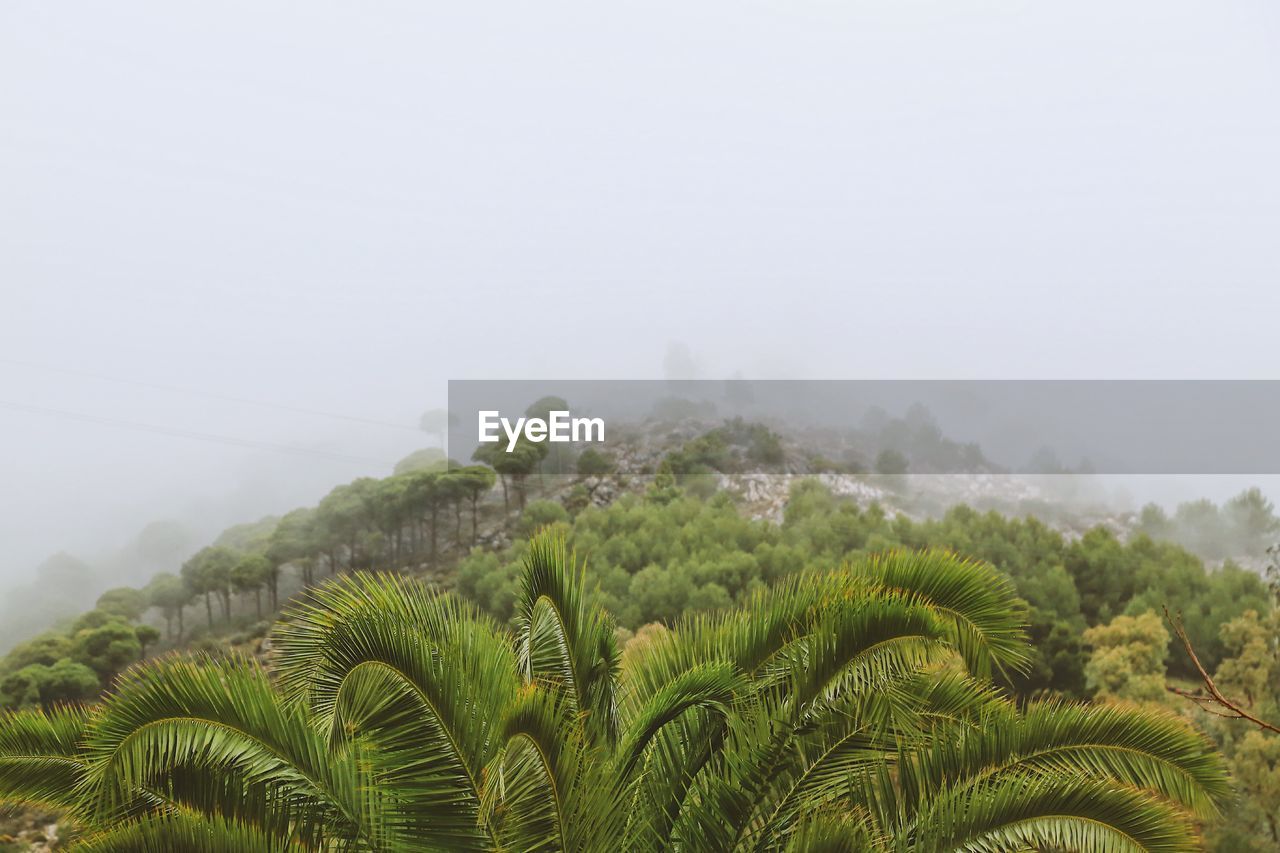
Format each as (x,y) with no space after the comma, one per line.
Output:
(1221,705)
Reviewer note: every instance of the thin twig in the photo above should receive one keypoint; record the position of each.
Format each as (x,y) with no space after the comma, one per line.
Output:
(1231,710)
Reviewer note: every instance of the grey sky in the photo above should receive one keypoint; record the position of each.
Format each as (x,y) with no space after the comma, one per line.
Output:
(339,206)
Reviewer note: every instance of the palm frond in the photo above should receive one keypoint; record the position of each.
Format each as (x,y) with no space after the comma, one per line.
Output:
(214,737)
(1031,811)
(563,639)
(833,831)
(988,621)
(169,833)
(842,711)
(1133,745)
(548,789)
(40,760)
(423,678)
(711,688)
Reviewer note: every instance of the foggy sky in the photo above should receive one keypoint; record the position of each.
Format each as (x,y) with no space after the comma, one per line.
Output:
(337,207)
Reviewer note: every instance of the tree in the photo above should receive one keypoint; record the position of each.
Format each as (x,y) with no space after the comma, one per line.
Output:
(1128,658)
(544,406)
(91,619)
(490,455)
(437,422)
(842,711)
(1154,522)
(45,649)
(456,488)
(1252,522)
(1244,689)
(342,516)
(556,459)
(660,593)
(433,494)
(891,463)
(162,543)
(147,636)
(168,593)
(1208,599)
(475,480)
(663,489)
(391,507)
(427,459)
(68,681)
(1252,670)
(250,575)
(123,601)
(593,463)
(48,685)
(512,467)
(107,649)
(522,462)
(248,537)
(293,541)
(1199,526)
(426,495)
(1104,573)
(208,573)
(1256,769)
(1210,697)
(21,688)
(540,514)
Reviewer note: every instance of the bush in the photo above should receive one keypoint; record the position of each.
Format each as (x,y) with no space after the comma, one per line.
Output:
(891,463)
(540,514)
(593,463)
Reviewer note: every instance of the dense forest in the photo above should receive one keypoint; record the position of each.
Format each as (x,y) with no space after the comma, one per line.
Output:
(674,573)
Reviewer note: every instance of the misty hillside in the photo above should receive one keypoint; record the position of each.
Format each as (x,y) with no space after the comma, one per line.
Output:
(922,355)
(903,466)
(682,515)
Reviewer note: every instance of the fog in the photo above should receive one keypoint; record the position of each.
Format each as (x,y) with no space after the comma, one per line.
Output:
(244,246)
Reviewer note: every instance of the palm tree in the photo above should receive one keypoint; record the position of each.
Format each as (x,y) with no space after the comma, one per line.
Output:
(847,711)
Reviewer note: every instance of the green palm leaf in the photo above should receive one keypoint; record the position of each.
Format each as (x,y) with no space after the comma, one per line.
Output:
(988,622)
(842,711)
(40,760)
(1033,812)
(1140,747)
(423,678)
(215,737)
(184,833)
(562,638)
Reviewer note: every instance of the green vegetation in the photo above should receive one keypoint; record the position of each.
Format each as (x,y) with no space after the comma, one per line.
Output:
(593,463)
(1128,659)
(659,556)
(427,459)
(1244,525)
(732,448)
(514,468)
(891,463)
(664,565)
(832,711)
(399,520)
(57,667)
(1250,675)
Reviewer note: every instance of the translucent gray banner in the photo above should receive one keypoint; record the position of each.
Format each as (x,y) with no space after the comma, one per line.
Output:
(937,427)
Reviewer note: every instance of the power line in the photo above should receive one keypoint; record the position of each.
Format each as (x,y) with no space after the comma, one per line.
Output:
(189,434)
(213,395)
